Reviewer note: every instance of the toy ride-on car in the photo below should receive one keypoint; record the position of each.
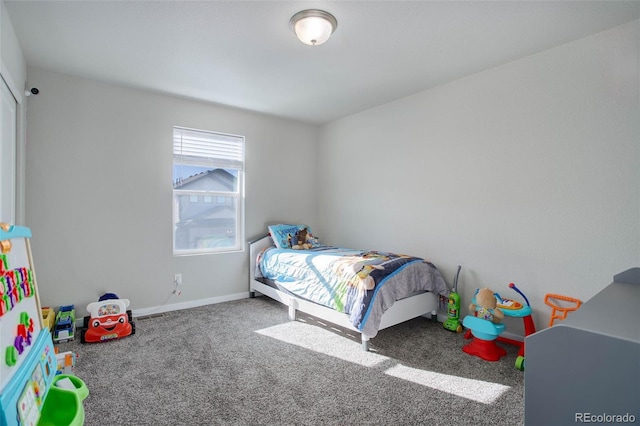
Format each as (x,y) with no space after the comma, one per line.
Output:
(109,319)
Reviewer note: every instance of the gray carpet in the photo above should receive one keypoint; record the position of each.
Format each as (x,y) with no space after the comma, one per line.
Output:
(245,363)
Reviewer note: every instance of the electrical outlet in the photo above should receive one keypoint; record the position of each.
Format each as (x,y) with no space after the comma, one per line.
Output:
(177,280)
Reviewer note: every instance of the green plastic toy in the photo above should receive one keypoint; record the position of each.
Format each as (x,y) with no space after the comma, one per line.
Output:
(63,405)
(453,322)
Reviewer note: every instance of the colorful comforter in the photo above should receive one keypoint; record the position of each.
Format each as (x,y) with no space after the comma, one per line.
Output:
(362,284)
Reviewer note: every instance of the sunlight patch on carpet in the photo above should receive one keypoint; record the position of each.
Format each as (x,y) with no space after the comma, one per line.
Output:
(475,390)
(328,343)
(322,341)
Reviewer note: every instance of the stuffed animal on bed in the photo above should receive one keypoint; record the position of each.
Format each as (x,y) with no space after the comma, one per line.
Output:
(301,240)
(486,306)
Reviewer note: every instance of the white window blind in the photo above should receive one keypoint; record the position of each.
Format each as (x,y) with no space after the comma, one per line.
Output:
(210,149)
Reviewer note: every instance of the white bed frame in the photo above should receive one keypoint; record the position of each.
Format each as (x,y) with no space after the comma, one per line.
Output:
(400,311)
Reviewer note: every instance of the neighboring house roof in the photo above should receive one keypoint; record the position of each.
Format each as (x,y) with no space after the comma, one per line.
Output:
(209,180)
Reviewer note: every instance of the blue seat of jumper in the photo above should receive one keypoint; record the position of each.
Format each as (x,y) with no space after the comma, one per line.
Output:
(482,328)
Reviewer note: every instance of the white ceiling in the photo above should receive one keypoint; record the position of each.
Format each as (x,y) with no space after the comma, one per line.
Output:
(243,54)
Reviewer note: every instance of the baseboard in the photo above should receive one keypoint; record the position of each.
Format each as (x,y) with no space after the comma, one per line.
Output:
(228,298)
(186,305)
(512,336)
(153,310)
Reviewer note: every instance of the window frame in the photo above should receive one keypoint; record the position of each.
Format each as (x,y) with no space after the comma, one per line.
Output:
(213,162)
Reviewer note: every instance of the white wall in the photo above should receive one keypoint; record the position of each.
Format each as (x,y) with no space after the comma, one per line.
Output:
(13,62)
(13,70)
(99,194)
(528,172)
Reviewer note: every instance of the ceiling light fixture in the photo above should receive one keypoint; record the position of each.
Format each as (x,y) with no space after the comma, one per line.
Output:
(313,26)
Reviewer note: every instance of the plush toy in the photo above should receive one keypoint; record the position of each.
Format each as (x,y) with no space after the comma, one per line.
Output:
(486,306)
(301,240)
(312,240)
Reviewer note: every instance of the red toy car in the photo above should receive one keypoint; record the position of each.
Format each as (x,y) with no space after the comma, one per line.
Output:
(109,320)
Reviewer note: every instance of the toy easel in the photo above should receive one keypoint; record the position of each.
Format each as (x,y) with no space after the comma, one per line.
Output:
(30,392)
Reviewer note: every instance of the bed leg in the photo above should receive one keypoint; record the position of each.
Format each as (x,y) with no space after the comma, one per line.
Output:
(365,343)
(252,294)
(292,310)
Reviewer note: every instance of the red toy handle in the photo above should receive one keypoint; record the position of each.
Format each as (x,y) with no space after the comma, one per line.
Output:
(513,287)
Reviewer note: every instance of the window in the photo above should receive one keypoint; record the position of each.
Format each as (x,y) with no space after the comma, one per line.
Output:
(207,166)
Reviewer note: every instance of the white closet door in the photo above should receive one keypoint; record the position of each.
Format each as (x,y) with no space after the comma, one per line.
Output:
(8,146)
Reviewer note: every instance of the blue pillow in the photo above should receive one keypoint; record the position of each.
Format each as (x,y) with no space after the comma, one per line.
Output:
(284,235)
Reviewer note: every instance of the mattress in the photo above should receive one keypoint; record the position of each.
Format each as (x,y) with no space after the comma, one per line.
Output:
(361,284)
